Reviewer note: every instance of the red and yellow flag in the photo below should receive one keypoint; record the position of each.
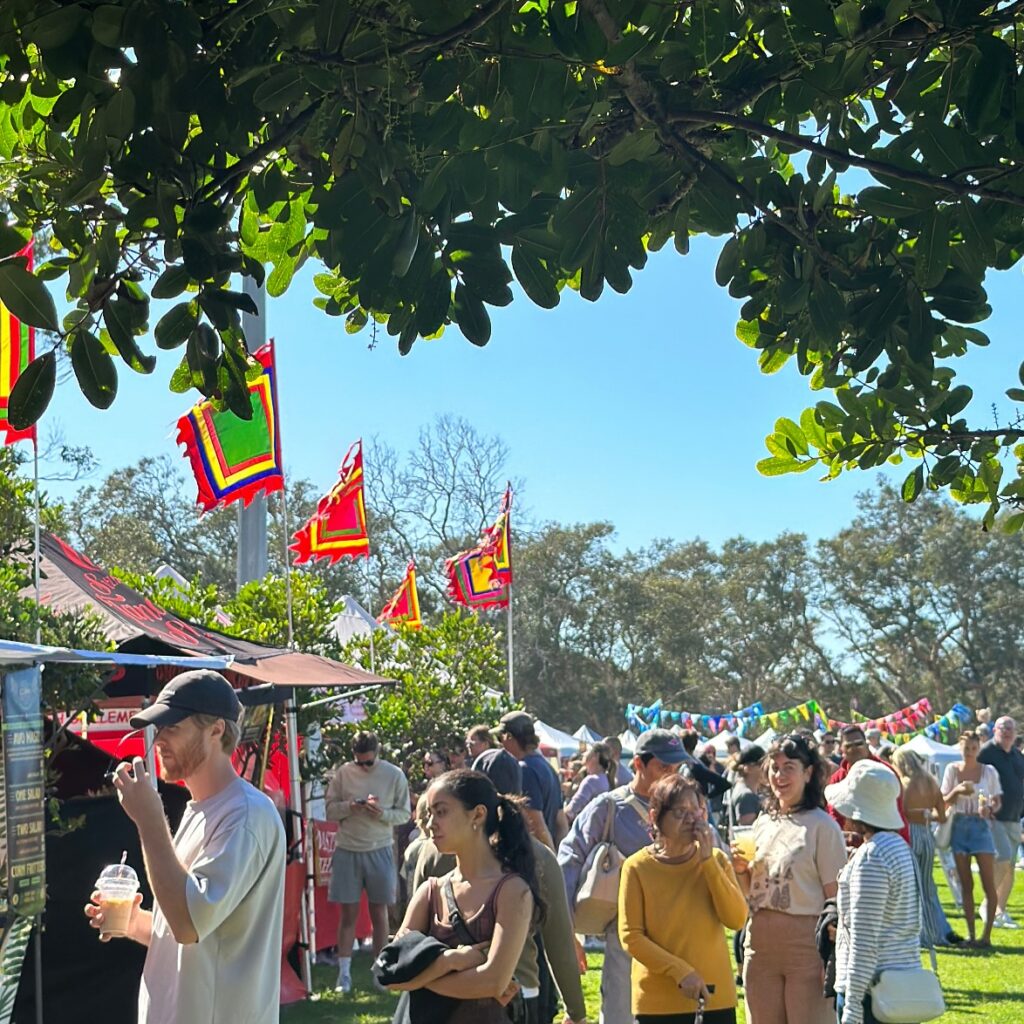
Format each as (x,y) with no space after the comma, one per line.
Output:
(404,608)
(481,576)
(338,527)
(17,350)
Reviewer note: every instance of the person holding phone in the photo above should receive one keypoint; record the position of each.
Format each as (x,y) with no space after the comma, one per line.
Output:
(676,898)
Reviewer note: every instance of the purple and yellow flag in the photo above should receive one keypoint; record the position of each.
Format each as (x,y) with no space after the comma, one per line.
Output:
(17,350)
(235,459)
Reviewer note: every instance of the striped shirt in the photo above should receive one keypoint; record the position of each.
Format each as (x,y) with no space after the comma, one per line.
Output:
(879,918)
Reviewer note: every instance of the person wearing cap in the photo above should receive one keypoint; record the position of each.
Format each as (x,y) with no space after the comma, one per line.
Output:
(1008,761)
(556,950)
(544,813)
(879,907)
(214,933)
(874,738)
(368,797)
(657,753)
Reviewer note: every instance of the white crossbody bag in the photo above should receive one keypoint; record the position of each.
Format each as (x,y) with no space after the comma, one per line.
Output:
(912,995)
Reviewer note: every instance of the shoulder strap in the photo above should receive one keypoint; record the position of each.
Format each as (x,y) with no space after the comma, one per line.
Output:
(920,899)
(455,918)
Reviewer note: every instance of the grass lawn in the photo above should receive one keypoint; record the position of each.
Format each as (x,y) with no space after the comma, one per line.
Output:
(980,988)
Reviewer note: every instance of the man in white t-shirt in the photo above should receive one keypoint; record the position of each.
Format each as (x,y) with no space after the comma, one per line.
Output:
(214,933)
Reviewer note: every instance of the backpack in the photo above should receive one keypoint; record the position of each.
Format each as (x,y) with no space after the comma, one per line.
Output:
(597,900)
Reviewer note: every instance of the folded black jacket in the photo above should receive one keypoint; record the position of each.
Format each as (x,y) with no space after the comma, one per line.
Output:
(400,961)
(826,947)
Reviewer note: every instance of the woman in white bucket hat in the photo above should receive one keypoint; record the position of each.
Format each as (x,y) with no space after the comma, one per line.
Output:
(879,906)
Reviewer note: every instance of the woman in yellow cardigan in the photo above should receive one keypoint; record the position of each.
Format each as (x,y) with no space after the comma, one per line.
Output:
(675,900)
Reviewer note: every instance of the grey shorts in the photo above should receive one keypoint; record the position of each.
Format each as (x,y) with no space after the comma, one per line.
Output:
(354,873)
(1007,838)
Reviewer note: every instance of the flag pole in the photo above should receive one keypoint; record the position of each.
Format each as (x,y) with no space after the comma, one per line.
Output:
(511,676)
(373,629)
(287,532)
(38,531)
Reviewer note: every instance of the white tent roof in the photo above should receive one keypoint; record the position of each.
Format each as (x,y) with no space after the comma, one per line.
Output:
(628,741)
(14,652)
(353,620)
(927,747)
(587,735)
(766,738)
(717,743)
(549,736)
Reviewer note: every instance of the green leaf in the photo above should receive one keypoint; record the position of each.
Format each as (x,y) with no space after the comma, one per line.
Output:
(887,202)
(280,90)
(931,253)
(331,21)
(847,18)
(107,20)
(535,280)
(777,466)
(11,241)
(827,309)
(26,296)
(32,392)
(94,369)
(1012,524)
(172,282)
(119,326)
(432,309)
(791,433)
(176,325)
(749,331)
(408,242)
(914,484)
(471,316)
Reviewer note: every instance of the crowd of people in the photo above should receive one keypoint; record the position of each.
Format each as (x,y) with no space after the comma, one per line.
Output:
(816,851)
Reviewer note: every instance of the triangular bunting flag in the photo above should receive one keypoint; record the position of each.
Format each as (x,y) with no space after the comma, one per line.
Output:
(338,527)
(235,459)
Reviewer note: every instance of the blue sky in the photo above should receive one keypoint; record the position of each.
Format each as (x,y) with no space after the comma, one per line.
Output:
(642,409)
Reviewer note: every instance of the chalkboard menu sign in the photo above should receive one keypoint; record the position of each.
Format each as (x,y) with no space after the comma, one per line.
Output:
(24,791)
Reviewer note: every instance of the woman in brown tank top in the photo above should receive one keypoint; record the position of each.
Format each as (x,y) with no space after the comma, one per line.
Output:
(484,909)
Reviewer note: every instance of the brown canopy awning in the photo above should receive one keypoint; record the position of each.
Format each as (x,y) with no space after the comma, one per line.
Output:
(71,582)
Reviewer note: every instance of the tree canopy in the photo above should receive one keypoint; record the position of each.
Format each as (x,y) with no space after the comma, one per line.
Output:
(863,161)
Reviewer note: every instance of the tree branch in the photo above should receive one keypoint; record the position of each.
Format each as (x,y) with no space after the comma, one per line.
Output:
(805,142)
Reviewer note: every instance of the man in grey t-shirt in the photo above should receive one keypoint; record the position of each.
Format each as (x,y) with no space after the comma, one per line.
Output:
(214,933)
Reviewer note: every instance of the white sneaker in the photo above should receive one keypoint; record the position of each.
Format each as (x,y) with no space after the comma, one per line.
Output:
(1007,921)
(344,984)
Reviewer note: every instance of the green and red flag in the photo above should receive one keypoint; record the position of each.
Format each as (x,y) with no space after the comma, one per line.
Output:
(338,527)
(235,459)
(404,608)
(17,350)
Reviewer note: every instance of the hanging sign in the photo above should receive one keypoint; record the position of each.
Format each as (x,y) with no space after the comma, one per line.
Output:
(24,791)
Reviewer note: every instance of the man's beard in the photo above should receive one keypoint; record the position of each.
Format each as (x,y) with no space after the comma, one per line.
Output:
(184,763)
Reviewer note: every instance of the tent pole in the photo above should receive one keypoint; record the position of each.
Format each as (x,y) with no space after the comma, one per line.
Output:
(295,805)
(287,566)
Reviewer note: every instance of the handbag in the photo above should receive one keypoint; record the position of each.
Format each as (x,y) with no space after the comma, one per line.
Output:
(597,899)
(911,995)
(944,831)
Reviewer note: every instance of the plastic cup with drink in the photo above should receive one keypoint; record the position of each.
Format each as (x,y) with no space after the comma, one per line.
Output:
(743,842)
(117,886)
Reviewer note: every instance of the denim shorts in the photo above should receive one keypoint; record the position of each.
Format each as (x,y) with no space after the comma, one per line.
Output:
(972,834)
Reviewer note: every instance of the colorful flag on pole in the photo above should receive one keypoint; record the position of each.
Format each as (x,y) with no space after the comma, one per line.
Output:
(473,581)
(338,527)
(235,459)
(17,350)
(498,539)
(404,608)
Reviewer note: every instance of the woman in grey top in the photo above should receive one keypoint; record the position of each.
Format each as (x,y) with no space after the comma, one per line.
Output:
(879,907)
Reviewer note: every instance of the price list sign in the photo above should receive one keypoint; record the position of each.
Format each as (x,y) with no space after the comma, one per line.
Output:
(24,791)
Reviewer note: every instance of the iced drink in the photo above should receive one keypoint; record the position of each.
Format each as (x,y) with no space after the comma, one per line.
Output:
(743,841)
(117,886)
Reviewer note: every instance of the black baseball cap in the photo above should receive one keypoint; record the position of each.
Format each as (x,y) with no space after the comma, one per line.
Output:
(200,692)
(664,745)
(518,724)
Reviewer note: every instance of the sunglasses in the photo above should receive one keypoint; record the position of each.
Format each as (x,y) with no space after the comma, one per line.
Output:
(366,764)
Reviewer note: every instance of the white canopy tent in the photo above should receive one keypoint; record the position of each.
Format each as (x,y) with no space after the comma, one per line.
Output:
(587,735)
(718,744)
(937,754)
(555,739)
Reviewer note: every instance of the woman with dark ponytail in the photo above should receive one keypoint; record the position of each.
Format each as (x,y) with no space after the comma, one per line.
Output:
(490,900)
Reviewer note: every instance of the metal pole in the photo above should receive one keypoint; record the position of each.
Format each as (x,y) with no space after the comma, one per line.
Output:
(295,805)
(37,938)
(252,519)
(511,674)
(286,534)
